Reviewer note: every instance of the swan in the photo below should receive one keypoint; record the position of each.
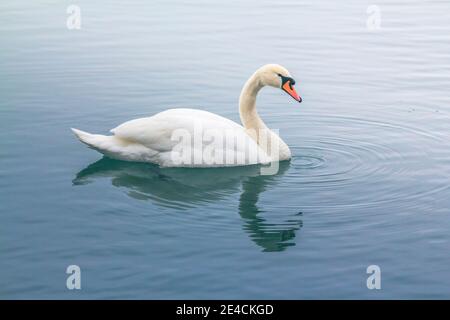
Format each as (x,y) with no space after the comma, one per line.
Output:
(195,138)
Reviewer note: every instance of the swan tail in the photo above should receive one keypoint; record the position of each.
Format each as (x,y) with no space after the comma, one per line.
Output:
(95,141)
(108,145)
(112,146)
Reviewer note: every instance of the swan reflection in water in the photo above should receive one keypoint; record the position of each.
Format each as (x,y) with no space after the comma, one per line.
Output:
(183,188)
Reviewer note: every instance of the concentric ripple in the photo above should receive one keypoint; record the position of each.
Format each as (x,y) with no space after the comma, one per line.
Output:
(359,162)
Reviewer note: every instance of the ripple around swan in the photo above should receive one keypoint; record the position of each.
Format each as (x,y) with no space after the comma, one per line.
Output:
(325,169)
(389,170)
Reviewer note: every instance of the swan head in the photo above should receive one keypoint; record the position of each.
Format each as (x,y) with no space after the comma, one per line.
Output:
(278,76)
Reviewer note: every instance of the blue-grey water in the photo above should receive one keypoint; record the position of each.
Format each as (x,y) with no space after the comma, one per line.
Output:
(368,183)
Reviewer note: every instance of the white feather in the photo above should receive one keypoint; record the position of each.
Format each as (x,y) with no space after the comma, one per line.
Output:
(152,139)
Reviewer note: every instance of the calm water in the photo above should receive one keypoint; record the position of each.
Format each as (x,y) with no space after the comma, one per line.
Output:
(368,182)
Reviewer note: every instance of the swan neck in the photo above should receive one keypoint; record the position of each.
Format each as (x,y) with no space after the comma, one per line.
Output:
(247,104)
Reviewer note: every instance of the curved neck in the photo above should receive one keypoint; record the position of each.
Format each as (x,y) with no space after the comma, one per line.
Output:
(247,104)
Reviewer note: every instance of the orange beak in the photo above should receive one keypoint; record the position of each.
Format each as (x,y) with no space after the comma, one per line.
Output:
(287,86)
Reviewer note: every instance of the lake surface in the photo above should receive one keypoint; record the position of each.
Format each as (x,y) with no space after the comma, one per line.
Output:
(368,183)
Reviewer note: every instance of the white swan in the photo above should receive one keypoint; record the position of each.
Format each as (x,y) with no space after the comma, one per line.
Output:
(196,138)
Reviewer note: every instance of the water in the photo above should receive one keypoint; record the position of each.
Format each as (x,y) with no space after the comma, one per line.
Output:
(368,182)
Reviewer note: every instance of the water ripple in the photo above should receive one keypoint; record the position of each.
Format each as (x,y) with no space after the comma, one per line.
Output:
(387,169)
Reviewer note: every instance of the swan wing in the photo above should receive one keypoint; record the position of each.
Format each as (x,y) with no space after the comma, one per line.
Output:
(157,134)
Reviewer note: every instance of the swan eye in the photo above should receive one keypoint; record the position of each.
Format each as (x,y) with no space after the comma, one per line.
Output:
(286,79)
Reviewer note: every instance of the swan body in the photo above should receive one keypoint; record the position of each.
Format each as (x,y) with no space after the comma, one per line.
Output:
(210,140)
(150,139)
